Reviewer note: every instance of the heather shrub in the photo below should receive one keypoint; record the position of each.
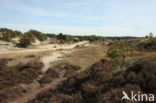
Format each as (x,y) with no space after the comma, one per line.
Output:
(149,45)
(62,69)
(93,87)
(12,77)
(3,62)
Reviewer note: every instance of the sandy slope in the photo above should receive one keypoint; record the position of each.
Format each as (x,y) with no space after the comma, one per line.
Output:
(45,47)
(54,56)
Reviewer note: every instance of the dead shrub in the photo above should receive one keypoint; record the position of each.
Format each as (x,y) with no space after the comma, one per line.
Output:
(30,56)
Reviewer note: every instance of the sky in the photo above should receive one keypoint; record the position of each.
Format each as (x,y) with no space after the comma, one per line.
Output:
(80,17)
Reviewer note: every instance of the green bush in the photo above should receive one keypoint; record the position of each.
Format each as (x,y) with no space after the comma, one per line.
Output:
(6,37)
(36,34)
(25,41)
(120,50)
(8,34)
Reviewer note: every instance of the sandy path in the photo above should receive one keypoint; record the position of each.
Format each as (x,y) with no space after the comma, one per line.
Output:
(50,58)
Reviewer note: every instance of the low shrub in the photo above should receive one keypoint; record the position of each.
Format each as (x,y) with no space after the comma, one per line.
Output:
(3,62)
(11,77)
(97,84)
(62,69)
(149,45)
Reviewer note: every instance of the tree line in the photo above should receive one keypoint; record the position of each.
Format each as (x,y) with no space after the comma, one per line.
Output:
(29,37)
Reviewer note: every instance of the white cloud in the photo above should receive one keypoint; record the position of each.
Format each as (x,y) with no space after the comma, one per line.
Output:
(32,10)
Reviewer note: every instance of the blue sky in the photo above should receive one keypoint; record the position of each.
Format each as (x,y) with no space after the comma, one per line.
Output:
(81,17)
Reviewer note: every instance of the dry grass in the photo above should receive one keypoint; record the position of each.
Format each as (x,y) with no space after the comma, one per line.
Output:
(23,57)
(87,56)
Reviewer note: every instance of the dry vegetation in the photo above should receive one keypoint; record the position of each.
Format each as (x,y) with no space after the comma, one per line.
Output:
(148,45)
(12,77)
(57,71)
(98,84)
(85,57)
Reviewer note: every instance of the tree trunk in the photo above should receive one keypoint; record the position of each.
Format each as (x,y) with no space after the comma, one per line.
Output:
(122,62)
